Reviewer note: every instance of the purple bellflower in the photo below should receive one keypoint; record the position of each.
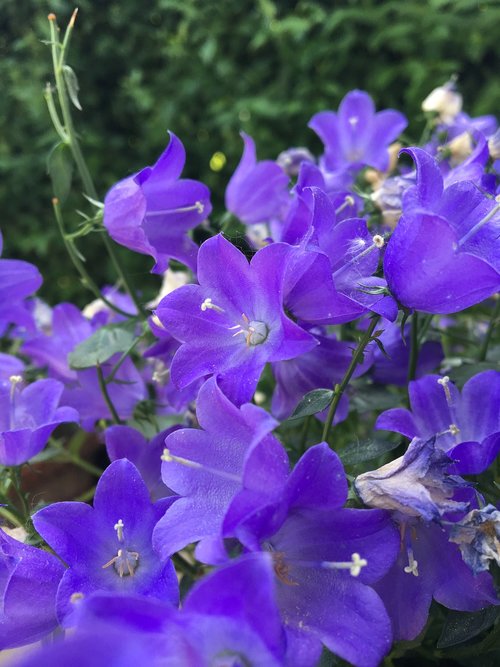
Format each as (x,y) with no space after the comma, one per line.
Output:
(152,211)
(257,191)
(108,547)
(18,280)
(29,579)
(354,255)
(229,618)
(325,560)
(444,254)
(205,467)
(28,417)
(421,494)
(233,322)
(466,425)
(356,136)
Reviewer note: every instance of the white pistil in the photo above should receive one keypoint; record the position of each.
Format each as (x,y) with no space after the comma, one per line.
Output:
(14,381)
(119,526)
(412,567)
(208,305)
(354,566)
(481,223)
(348,201)
(167,457)
(197,206)
(444,382)
(378,242)
(454,430)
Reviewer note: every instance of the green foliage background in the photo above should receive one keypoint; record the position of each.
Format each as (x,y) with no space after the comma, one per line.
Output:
(207,69)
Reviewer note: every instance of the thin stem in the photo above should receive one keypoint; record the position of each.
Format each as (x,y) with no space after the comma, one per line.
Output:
(122,358)
(54,116)
(72,141)
(121,274)
(414,347)
(495,318)
(107,397)
(77,262)
(303,435)
(81,463)
(340,388)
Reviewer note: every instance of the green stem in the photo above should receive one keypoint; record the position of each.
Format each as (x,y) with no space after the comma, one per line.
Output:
(339,389)
(77,262)
(495,318)
(72,141)
(107,397)
(84,465)
(414,347)
(122,358)
(54,116)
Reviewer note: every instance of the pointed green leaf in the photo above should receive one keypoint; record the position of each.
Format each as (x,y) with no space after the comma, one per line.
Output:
(72,85)
(313,402)
(60,170)
(103,344)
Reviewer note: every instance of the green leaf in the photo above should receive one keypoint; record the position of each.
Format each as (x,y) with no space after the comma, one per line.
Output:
(365,450)
(462,626)
(461,374)
(103,344)
(60,170)
(72,85)
(313,402)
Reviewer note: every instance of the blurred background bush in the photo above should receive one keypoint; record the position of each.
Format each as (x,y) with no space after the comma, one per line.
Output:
(207,69)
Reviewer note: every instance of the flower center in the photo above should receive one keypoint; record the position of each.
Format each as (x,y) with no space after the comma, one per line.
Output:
(282,566)
(255,331)
(125,562)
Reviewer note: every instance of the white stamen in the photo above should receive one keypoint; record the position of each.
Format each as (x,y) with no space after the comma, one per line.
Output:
(378,241)
(125,562)
(208,305)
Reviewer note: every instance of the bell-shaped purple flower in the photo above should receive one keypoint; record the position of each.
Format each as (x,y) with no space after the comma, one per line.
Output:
(18,280)
(444,254)
(356,136)
(108,547)
(325,559)
(152,211)
(257,191)
(28,417)
(206,467)
(466,425)
(233,322)
(29,579)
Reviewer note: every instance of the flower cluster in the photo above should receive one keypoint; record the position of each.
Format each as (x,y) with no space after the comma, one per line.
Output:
(217,405)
